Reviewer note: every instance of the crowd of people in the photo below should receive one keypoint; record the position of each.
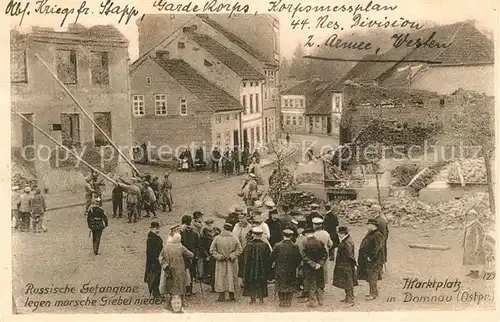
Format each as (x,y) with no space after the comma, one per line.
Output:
(258,247)
(28,209)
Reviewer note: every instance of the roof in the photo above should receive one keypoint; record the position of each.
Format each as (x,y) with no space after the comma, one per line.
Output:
(305,88)
(217,99)
(241,67)
(467,46)
(362,95)
(235,39)
(76,32)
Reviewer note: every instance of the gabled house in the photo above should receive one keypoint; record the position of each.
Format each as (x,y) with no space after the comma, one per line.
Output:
(464,59)
(176,107)
(254,38)
(295,101)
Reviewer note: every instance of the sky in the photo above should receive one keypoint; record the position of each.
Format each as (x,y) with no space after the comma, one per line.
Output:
(439,11)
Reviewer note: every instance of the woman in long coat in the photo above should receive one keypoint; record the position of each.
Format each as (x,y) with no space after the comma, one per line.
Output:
(370,257)
(286,258)
(344,273)
(174,277)
(225,249)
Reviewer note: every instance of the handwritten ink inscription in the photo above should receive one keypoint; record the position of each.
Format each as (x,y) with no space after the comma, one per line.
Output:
(110,8)
(213,6)
(15,8)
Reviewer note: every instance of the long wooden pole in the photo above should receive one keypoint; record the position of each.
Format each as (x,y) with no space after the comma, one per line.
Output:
(88,116)
(65,148)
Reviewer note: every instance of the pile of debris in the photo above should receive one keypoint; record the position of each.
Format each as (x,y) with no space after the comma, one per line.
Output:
(21,177)
(402,210)
(299,199)
(309,178)
(472,170)
(402,175)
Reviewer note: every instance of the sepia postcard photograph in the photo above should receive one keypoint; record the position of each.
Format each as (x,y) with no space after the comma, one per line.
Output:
(194,157)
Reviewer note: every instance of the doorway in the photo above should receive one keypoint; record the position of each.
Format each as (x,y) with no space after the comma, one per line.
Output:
(329,125)
(236,138)
(246,144)
(266,130)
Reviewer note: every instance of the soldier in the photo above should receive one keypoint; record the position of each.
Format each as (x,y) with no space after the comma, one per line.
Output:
(117,200)
(149,200)
(324,237)
(314,255)
(166,193)
(132,198)
(270,206)
(97,221)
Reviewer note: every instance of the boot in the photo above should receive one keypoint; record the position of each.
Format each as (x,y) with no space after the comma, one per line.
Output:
(222,297)
(231,297)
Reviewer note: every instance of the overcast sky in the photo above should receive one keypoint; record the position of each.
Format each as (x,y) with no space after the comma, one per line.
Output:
(440,11)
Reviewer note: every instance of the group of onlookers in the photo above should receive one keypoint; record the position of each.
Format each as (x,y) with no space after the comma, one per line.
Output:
(28,209)
(233,161)
(259,247)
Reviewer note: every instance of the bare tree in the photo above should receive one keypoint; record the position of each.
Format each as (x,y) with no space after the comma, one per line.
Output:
(281,180)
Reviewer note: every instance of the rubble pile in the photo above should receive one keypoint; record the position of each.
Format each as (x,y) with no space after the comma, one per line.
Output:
(309,178)
(473,171)
(402,175)
(299,199)
(402,210)
(21,177)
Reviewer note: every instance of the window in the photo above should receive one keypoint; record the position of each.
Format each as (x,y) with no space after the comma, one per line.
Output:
(251,84)
(301,120)
(181,45)
(244,84)
(217,119)
(207,63)
(337,103)
(99,68)
(251,103)
(265,92)
(160,104)
(301,103)
(148,80)
(227,139)
(66,66)
(18,70)
(235,116)
(286,103)
(256,84)
(228,117)
(138,105)
(103,119)
(257,103)
(70,129)
(252,136)
(218,138)
(244,103)
(288,120)
(294,120)
(183,106)
(257,134)
(316,120)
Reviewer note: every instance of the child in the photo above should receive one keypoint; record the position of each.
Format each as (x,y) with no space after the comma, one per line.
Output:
(38,209)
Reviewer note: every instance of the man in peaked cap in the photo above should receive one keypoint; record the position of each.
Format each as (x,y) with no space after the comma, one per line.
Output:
(324,237)
(97,221)
(370,257)
(286,257)
(256,263)
(314,255)
(154,245)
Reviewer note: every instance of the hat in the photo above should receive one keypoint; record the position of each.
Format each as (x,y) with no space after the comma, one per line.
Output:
(287,232)
(251,175)
(317,221)
(175,227)
(270,204)
(209,221)
(155,224)
(343,230)
(228,226)
(308,231)
(197,214)
(372,222)
(257,230)
(315,205)
(314,213)
(27,189)
(167,174)
(238,209)
(295,222)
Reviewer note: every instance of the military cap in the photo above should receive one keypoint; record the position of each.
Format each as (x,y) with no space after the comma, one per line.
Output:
(317,220)
(257,230)
(343,230)
(314,206)
(287,232)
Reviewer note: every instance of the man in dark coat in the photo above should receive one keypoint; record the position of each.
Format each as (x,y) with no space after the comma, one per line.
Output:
(154,245)
(117,200)
(286,258)
(256,264)
(384,229)
(208,234)
(344,273)
(216,156)
(330,223)
(97,221)
(190,238)
(275,227)
(313,214)
(314,255)
(370,258)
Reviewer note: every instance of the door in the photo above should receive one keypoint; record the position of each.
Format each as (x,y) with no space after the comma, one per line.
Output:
(329,125)
(236,138)
(246,144)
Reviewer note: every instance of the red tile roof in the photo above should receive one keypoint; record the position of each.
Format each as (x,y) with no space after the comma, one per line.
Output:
(235,39)
(215,98)
(468,47)
(226,56)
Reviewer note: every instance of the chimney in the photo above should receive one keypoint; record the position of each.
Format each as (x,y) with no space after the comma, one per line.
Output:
(162,54)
